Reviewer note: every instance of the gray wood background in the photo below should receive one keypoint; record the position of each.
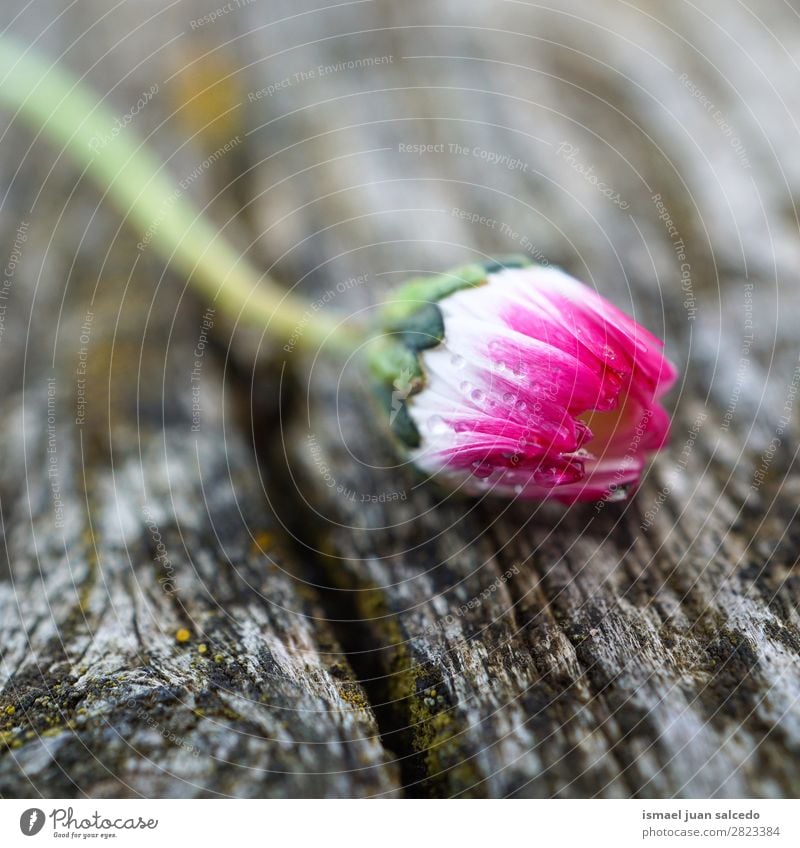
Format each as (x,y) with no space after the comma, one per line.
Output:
(253,596)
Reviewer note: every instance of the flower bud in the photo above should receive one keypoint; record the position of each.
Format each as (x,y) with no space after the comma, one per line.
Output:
(518,380)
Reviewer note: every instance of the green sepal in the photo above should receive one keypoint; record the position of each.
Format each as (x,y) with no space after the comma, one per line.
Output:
(421,291)
(405,429)
(400,421)
(411,323)
(423,328)
(397,374)
(388,357)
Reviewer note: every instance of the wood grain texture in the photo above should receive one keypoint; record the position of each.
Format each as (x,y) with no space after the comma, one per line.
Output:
(365,632)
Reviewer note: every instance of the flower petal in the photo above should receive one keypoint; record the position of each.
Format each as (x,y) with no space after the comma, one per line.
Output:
(540,389)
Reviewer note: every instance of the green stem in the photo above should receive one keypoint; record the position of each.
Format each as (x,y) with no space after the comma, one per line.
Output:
(57,104)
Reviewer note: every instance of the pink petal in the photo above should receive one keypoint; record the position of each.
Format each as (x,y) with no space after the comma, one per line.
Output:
(541,389)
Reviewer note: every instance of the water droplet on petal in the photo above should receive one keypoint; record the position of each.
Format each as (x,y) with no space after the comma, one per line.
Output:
(546,476)
(521,405)
(482,469)
(554,475)
(437,425)
(582,432)
(458,361)
(477,395)
(619,493)
(508,397)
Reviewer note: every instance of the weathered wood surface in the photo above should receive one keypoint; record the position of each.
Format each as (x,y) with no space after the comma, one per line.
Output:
(365,634)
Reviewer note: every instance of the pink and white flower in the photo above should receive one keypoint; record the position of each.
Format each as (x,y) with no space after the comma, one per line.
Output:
(539,389)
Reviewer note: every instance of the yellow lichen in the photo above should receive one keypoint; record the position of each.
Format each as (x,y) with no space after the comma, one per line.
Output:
(207,93)
(436,733)
(183,635)
(52,731)
(262,542)
(353,694)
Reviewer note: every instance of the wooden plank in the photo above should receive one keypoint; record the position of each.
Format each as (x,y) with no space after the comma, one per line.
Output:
(159,636)
(644,649)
